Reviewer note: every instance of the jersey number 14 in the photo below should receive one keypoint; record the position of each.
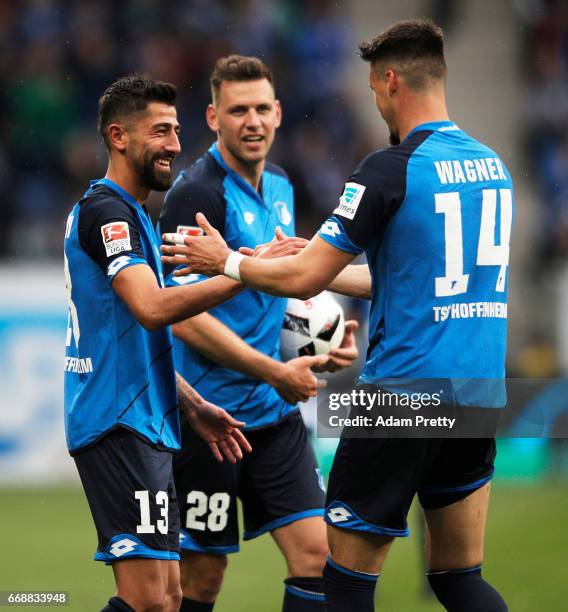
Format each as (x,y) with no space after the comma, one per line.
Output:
(488,252)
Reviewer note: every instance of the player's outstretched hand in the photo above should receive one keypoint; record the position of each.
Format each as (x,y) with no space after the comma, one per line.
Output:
(215,425)
(220,430)
(344,356)
(202,254)
(280,246)
(296,381)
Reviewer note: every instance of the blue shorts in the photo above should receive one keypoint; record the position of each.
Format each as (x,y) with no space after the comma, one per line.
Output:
(373,481)
(130,489)
(278,483)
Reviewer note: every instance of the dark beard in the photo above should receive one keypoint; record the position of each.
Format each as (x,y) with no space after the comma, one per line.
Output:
(394,139)
(150,178)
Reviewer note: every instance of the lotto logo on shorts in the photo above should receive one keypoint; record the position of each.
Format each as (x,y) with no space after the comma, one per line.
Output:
(116,237)
(189,230)
(122,547)
(339,515)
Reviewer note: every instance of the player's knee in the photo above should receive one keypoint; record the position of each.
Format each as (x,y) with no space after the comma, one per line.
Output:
(202,576)
(174,597)
(206,585)
(152,600)
(150,595)
(310,559)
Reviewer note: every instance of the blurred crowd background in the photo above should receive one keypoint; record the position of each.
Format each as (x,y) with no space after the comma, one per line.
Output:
(58,56)
(545,118)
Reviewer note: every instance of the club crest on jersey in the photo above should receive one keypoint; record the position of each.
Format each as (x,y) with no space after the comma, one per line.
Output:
(116,237)
(283,213)
(350,200)
(189,230)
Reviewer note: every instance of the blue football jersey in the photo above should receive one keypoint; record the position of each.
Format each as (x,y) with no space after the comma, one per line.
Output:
(244,218)
(434,217)
(116,372)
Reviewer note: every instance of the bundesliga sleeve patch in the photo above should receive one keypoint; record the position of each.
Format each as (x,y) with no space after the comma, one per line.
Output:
(350,200)
(116,237)
(189,230)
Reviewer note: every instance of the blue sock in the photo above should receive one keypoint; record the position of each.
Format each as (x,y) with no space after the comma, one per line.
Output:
(347,590)
(304,595)
(465,591)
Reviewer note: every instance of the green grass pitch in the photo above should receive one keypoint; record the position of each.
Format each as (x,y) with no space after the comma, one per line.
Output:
(47,541)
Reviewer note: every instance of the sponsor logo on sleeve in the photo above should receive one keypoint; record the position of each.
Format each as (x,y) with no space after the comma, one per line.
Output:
(350,200)
(116,237)
(189,230)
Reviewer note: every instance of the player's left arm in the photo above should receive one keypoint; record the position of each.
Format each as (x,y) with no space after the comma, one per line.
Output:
(216,426)
(353,281)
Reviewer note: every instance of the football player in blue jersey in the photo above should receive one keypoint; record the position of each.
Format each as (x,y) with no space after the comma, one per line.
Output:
(231,356)
(121,403)
(433,213)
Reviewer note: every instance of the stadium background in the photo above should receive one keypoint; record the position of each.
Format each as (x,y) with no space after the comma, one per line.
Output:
(508,86)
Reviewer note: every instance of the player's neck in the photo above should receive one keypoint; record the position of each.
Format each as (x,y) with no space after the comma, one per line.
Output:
(419,110)
(120,174)
(251,173)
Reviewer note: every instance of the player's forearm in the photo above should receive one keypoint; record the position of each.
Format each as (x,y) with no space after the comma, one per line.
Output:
(174,304)
(292,276)
(354,281)
(218,343)
(187,395)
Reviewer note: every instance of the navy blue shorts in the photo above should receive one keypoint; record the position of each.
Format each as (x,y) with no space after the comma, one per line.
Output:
(278,483)
(130,489)
(373,481)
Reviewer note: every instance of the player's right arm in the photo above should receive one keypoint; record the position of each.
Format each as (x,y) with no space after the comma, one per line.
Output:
(154,306)
(294,380)
(370,197)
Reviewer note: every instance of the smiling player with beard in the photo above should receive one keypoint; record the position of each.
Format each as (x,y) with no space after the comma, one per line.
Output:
(121,403)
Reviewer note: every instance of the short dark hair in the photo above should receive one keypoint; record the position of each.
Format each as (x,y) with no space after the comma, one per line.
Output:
(238,68)
(131,94)
(417,47)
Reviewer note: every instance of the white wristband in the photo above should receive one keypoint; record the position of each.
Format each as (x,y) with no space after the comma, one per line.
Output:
(233,264)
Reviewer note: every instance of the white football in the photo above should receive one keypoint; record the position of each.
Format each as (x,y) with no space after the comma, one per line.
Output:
(311,327)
